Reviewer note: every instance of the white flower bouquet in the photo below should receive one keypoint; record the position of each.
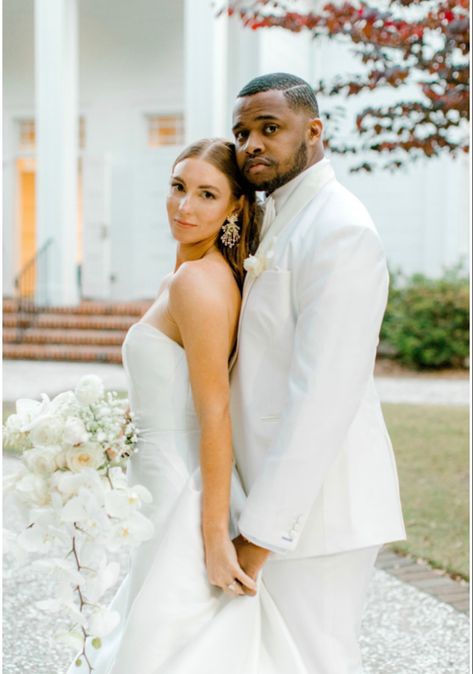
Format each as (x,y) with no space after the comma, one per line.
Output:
(77,502)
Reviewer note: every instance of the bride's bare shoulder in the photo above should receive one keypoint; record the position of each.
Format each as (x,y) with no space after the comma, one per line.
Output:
(164,284)
(208,279)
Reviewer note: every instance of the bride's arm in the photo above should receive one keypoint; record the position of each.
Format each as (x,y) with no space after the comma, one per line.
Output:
(202,304)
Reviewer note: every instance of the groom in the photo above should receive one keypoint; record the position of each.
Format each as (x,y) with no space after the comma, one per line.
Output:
(310,441)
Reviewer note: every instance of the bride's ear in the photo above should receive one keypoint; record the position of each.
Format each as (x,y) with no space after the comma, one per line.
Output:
(239,204)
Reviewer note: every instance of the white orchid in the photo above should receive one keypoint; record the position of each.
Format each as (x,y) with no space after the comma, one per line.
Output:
(105,578)
(28,410)
(121,502)
(132,531)
(13,548)
(33,489)
(63,569)
(11,479)
(64,405)
(68,484)
(86,509)
(71,638)
(103,621)
(117,479)
(92,553)
(76,500)
(36,539)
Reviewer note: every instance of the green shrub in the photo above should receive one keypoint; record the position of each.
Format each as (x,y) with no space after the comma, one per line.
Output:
(426,324)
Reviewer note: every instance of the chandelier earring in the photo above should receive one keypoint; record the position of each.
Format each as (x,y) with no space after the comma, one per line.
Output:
(230,231)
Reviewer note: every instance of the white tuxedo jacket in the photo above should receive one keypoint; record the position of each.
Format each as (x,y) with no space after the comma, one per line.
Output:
(310,441)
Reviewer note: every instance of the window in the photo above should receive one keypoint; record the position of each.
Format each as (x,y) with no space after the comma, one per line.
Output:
(166,129)
(28,134)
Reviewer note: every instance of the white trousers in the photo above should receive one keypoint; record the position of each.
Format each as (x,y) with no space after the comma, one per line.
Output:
(321,600)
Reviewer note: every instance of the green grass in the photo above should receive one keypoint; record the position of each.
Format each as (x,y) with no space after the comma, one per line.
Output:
(431,445)
(8,408)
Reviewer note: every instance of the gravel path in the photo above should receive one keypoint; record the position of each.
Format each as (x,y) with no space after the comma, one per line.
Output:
(419,391)
(30,378)
(405,631)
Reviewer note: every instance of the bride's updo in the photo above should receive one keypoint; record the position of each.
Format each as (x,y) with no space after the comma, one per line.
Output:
(221,154)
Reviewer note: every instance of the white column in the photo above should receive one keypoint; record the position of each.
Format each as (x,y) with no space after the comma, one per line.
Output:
(205,45)
(244,47)
(56,64)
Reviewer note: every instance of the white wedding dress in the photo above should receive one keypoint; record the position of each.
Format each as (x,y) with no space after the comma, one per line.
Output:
(172,620)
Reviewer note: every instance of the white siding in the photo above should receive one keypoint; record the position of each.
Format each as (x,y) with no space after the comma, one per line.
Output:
(132,63)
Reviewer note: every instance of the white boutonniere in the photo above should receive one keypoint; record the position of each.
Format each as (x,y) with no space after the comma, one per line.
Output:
(258,263)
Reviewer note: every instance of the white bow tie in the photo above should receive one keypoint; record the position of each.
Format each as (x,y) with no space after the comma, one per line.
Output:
(269,215)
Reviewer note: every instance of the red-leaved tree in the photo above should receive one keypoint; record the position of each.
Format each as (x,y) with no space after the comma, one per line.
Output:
(402,43)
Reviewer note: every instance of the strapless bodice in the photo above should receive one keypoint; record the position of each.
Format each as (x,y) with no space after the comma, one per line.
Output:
(158,382)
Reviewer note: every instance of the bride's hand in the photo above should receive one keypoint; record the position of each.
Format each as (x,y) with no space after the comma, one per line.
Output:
(223,569)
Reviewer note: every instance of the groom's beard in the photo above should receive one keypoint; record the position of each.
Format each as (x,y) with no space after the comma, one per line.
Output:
(300,163)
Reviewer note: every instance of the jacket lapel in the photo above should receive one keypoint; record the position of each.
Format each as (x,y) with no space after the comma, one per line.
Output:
(302,195)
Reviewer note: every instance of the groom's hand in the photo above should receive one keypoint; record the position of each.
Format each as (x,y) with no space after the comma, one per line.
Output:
(251,557)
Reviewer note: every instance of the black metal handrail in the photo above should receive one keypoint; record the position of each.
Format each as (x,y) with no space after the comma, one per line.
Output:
(31,278)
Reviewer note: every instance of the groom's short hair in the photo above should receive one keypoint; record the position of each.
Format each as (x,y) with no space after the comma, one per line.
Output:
(298,92)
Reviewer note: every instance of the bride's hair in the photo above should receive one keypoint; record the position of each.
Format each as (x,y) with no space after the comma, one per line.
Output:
(221,154)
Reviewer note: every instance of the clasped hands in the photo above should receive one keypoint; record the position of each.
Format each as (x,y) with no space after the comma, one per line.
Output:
(233,565)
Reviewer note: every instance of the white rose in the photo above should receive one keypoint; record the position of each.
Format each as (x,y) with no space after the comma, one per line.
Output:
(16,424)
(46,430)
(89,389)
(257,264)
(88,455)
(74,432)
(60,459)
(15,433)
(41,460)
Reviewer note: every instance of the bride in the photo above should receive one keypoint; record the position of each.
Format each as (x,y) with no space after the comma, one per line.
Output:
(186,605)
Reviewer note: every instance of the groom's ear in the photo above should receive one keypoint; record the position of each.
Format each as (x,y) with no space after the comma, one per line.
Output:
(315,130)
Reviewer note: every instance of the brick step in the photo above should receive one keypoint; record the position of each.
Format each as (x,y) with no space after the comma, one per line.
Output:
(63,337)
(78,352)
(68,321)
(91,307)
